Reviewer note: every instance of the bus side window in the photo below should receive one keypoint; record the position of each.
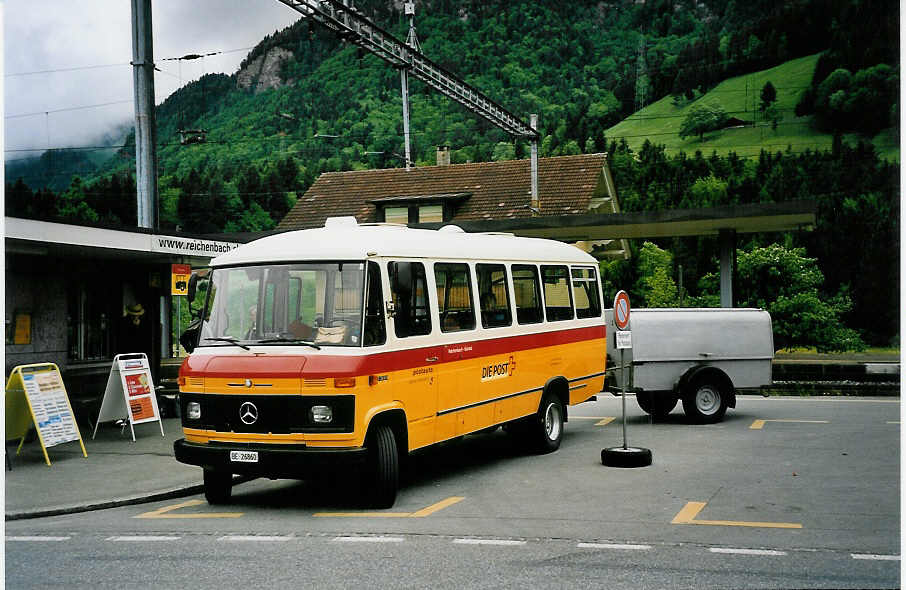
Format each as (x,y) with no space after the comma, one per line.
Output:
(492,289)
(585,289)
(527,293)
(375,332)
(558,304)
(409,290)
(454,297)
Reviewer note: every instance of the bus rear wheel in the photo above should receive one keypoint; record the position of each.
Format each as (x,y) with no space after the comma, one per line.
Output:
(383,467)
(218,486)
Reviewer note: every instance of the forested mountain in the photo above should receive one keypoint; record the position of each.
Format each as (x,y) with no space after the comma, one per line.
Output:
(305,102)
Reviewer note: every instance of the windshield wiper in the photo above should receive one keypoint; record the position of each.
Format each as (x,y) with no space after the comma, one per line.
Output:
(285,340)
(231,341)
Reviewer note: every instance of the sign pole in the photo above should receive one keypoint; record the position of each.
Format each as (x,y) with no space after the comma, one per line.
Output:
(624,456)
(623,392)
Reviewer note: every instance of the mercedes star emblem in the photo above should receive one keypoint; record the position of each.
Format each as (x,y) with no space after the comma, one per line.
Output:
(248,413)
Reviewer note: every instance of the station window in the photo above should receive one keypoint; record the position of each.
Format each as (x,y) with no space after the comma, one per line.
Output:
(396,215)
(409,292)
(92,320)
(414,214)
(558,303)
(585,289)
(454,297)
(527,293)
(492,289)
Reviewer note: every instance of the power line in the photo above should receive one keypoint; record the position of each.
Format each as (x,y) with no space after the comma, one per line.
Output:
(73,69)
(79,108)
(112,65)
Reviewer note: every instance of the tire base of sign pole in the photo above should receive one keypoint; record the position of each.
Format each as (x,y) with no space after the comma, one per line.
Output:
(626,457)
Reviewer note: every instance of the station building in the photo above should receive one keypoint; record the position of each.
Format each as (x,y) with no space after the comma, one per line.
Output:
(77,296)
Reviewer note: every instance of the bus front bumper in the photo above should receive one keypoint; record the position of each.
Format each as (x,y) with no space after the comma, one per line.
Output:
(288,461)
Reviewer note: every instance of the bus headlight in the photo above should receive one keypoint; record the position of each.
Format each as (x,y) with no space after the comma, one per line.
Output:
(321,414)
(193,410)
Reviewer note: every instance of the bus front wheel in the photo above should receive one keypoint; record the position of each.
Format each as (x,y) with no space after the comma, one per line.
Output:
(218,486)
(383,459)
(549,424)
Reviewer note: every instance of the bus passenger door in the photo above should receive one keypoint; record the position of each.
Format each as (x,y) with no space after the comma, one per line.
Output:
(417,389)
(420,397)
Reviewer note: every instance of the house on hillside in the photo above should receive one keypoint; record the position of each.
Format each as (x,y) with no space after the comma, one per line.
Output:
(567,185)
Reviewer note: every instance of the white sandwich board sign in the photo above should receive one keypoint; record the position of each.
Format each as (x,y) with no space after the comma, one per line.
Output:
(130,393)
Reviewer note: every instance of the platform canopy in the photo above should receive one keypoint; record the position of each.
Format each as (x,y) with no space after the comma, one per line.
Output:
(740,219)
(723,222)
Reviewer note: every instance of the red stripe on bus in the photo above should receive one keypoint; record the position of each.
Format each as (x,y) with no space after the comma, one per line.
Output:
(318,366)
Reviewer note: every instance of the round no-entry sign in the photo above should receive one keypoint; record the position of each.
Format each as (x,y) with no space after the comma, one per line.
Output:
(621,310)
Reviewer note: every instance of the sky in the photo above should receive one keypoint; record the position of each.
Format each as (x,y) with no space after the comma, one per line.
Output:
(88,45)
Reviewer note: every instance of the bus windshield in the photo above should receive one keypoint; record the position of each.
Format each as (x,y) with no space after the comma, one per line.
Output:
(317,304)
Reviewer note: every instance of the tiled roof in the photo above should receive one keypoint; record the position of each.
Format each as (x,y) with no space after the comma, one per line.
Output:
(499,190)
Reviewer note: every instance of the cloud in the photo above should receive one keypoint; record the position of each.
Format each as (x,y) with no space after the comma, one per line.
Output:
(41,35)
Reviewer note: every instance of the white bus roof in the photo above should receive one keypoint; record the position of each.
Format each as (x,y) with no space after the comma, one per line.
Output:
(342,238)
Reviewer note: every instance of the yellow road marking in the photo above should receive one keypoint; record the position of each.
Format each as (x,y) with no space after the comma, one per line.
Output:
(691,509)
(417,514)
(166,511)
(893,422)
(759,424)
(605,421)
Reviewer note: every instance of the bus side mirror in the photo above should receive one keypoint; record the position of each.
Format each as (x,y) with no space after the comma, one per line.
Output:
(189,338)
(193,285)
(401,277)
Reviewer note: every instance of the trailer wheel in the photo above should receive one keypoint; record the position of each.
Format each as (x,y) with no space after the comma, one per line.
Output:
(383,467)
(547,430)
(705,401)
(218,486)
(658,405)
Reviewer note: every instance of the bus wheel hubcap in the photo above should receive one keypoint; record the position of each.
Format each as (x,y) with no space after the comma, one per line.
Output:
(552,422)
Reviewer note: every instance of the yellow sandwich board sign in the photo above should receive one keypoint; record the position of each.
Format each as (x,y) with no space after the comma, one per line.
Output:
(35,394)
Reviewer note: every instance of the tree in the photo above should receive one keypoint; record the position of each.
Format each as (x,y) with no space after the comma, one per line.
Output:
(504,151)
(768,96)
(73,206)
(709,191)
(655,283)
(703,118)
(787,283)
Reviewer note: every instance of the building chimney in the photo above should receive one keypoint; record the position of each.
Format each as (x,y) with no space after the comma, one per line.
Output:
(443,155)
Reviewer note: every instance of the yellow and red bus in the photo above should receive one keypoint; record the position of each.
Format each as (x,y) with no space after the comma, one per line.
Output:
(362,343)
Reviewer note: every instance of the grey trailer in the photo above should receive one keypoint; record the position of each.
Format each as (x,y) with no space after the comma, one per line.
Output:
(700,356)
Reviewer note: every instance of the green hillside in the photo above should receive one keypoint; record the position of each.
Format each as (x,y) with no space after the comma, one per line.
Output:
(660,122)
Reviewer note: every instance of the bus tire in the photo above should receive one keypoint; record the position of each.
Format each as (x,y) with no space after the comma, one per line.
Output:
(383,459)
(218,486)
(548,427)
(657,405)
(705,401)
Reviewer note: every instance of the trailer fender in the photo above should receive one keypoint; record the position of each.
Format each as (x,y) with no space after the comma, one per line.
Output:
(710,372)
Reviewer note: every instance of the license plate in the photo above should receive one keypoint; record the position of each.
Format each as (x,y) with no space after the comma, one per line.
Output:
(244,456)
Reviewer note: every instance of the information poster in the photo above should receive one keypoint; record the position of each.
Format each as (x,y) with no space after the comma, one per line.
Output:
(35,394)
(49,405)
(130,393)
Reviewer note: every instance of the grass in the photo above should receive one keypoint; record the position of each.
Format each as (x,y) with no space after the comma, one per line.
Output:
(877,354)
(660,122)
